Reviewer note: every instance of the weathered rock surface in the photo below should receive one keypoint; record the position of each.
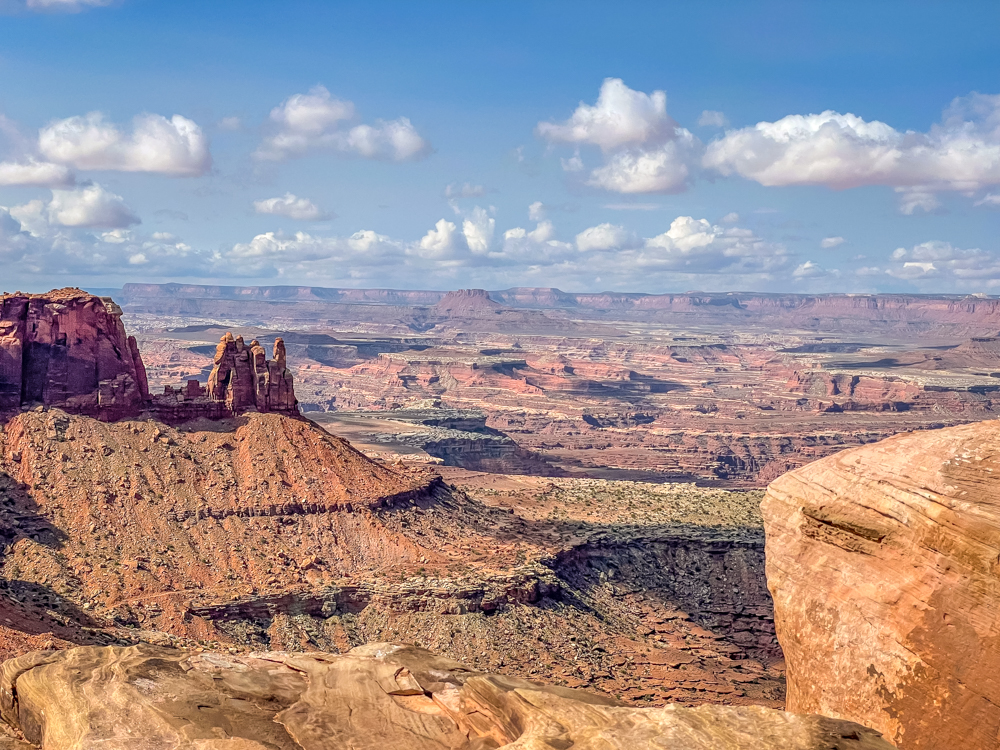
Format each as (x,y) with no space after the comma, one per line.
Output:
(68,348)
(243,377)
(883,565)
(376,696)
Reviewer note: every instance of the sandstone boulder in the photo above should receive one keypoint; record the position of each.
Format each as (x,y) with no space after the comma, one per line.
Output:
(68,348)
(374,697)
(884,565)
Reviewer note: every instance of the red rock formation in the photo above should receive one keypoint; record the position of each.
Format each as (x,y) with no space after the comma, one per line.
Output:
(244,379)
(68,348)
(466,302)
(883,564)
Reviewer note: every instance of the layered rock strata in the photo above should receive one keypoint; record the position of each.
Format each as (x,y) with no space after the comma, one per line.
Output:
(377,696)
(69,349)
(244,378)
(883,565)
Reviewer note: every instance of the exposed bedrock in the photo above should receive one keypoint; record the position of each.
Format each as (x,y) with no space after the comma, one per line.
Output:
(69,349)
(883,564)
(243,378)
(381,695)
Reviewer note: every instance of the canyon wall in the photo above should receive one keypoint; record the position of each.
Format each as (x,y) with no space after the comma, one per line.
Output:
(69,349)
(883,565)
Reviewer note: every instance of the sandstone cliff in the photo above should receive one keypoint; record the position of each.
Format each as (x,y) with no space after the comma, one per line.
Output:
(964,314)
(883,565)
(69,349)
(377,696)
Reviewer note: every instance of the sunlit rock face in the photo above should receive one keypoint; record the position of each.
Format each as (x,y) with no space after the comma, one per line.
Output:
(68,348)
(381,695)
(884,565)
(243,378)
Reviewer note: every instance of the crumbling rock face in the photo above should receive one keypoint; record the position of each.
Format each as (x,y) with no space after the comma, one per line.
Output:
(68,348)
(244,379)
(377,696)
(883,565)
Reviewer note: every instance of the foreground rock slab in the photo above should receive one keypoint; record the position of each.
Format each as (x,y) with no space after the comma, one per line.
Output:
(376,696)
(884,565)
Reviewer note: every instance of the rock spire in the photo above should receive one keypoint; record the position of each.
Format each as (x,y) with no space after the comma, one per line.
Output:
(245,379)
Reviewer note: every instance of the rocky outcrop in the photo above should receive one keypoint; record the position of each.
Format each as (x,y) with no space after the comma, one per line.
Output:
(883,565)
(467,302)
(244,379)
(377,696)
(68,348)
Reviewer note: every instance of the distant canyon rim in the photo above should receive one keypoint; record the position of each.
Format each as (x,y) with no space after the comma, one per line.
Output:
(728,390)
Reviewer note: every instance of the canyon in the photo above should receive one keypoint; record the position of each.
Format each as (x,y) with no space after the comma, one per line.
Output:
(213,516)
(562,493)
(730,390)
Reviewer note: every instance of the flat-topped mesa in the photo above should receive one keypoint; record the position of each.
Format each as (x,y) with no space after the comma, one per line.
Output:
(466,302)
(244,379)
(69,349)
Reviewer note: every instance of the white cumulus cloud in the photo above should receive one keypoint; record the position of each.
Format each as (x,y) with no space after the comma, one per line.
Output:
(55,239)
(645,150)
(442,240)
(663,169)
(317,121)
(90,206)
(828,242)
(698,246)
(949,265)
(478,229)
(291,206)
(33,173)
(175,147)
(621,117)
(606,237)
(808,270)
(961,153)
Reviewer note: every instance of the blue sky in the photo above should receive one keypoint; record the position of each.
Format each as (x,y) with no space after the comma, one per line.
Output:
(789,147)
